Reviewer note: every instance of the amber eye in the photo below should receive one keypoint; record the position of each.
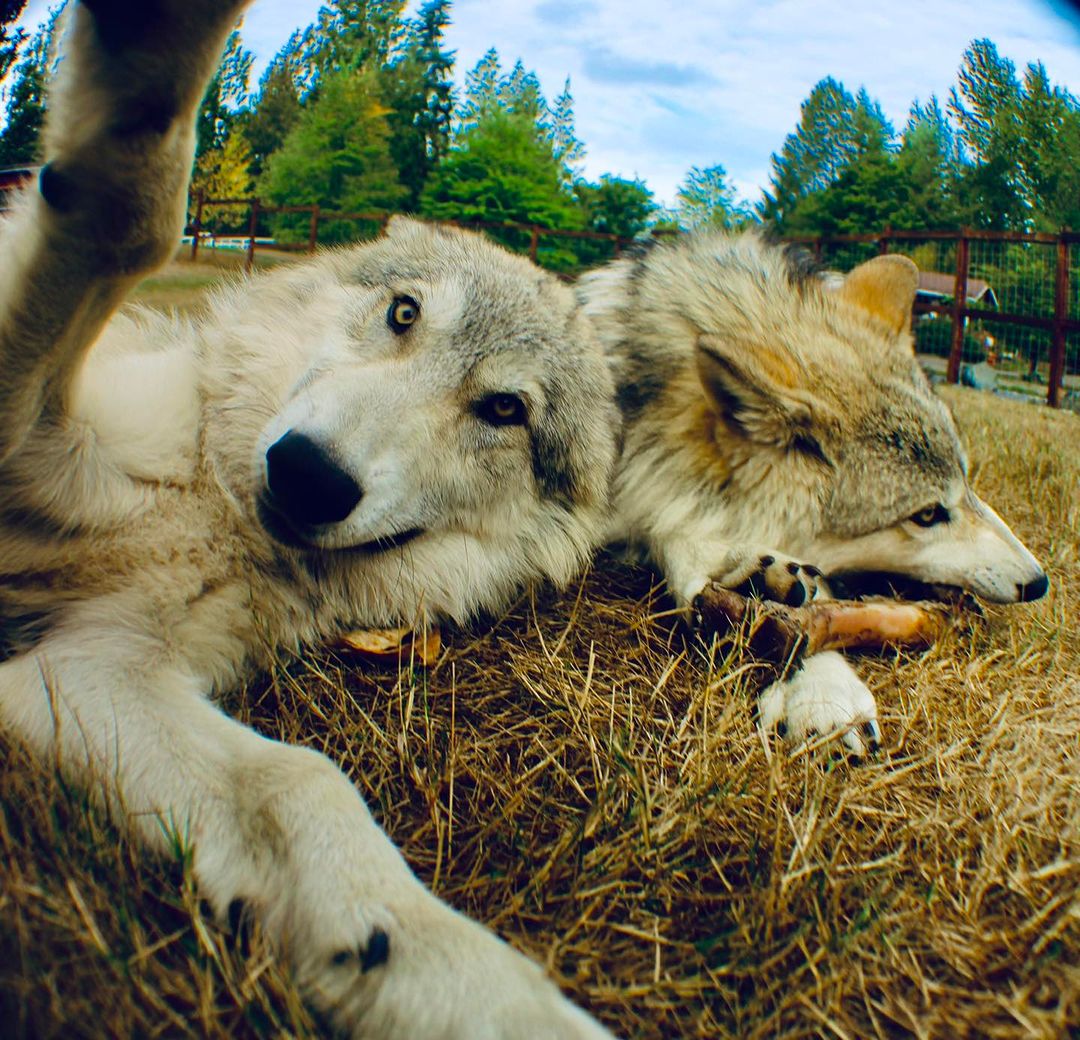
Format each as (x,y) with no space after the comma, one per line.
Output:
(403,312)
(935,514)
(502,410)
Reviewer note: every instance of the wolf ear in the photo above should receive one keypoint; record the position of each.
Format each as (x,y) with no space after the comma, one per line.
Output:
(757,393)
(885,287)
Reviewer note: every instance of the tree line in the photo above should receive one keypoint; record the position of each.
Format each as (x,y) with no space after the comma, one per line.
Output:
(358,112)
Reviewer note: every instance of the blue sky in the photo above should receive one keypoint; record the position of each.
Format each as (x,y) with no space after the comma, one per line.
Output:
(659,88)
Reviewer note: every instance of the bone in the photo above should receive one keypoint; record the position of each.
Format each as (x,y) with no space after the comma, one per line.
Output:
(783,635)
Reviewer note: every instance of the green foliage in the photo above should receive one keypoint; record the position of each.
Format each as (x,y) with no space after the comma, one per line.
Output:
(337,156)
(25,112)
(706,199)
(418,88)
(835,129)
(502,169)
(613,206)
(226,93)
(276,110)
(10,39)
(934,336)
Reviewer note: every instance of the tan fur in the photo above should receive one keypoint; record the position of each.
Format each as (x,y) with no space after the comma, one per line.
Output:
(776,428)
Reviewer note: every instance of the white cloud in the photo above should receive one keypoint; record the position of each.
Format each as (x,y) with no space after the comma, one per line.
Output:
(660,88)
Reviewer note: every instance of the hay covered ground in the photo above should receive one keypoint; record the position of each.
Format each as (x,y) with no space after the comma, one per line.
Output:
(591,785)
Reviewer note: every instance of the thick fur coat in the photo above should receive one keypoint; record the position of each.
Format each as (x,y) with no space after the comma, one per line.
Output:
(779,433)
(402,431)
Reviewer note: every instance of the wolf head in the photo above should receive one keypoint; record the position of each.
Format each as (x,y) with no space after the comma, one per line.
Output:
(832,377)
(426,421)
(822,434)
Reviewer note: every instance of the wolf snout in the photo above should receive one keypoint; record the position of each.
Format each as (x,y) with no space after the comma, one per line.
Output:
(307,486)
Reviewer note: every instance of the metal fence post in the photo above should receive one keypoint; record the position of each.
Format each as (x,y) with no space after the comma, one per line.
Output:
(253,226)
(196,227)
(1061,309)
(959,306)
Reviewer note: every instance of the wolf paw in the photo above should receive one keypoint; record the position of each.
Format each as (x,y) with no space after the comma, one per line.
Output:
(825,697)
(429,973)
(772,575)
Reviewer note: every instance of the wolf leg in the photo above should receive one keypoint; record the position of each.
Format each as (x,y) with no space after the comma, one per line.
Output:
(824,697)
(281,829)
(110,202)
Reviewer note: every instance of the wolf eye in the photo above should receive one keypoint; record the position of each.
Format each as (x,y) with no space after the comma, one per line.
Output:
(935,514)
(502,410)
(403,312)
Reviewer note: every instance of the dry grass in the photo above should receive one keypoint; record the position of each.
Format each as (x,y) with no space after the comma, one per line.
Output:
(592,787)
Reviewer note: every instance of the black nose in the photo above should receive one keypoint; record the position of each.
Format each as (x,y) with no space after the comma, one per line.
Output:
(306,484)
(1034,589)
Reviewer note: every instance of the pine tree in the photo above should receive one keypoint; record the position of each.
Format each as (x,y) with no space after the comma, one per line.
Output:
(565,146)
(706,199)
(25,111)
(273,112)
(10,39)
(993,187)
(226,93)
(337,156)
(835,129)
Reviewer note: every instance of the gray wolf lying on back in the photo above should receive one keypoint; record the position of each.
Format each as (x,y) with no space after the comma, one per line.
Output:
(401,431)
(777,430)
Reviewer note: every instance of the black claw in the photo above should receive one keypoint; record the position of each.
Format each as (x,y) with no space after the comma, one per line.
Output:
(342,957)
(781,728)
(811,570)
(766,561)
(377,952)
(236,916)
(793,568)
(796,595)
(58,189)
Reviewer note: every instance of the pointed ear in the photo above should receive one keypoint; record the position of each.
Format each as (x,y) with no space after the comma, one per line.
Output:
(885,287)
(758,394)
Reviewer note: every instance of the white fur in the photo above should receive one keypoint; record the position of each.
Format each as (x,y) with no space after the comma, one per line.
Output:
(137,577)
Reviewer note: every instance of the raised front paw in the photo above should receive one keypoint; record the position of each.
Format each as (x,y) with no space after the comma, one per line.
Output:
(824,697)
(771,575)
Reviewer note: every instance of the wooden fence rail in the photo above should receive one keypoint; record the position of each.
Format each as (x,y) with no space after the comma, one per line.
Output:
(1060,325)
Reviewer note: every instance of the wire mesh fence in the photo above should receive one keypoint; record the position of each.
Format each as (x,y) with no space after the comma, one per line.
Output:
(1006,301)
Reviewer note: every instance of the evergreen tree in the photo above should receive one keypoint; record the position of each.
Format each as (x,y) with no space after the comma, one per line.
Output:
(503,169)
(273,112)
(706,199)
(226,93)
(993,188)
(336,156)
(834,130)
(10,39)
(418,89)
(565,146)
(25,111)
